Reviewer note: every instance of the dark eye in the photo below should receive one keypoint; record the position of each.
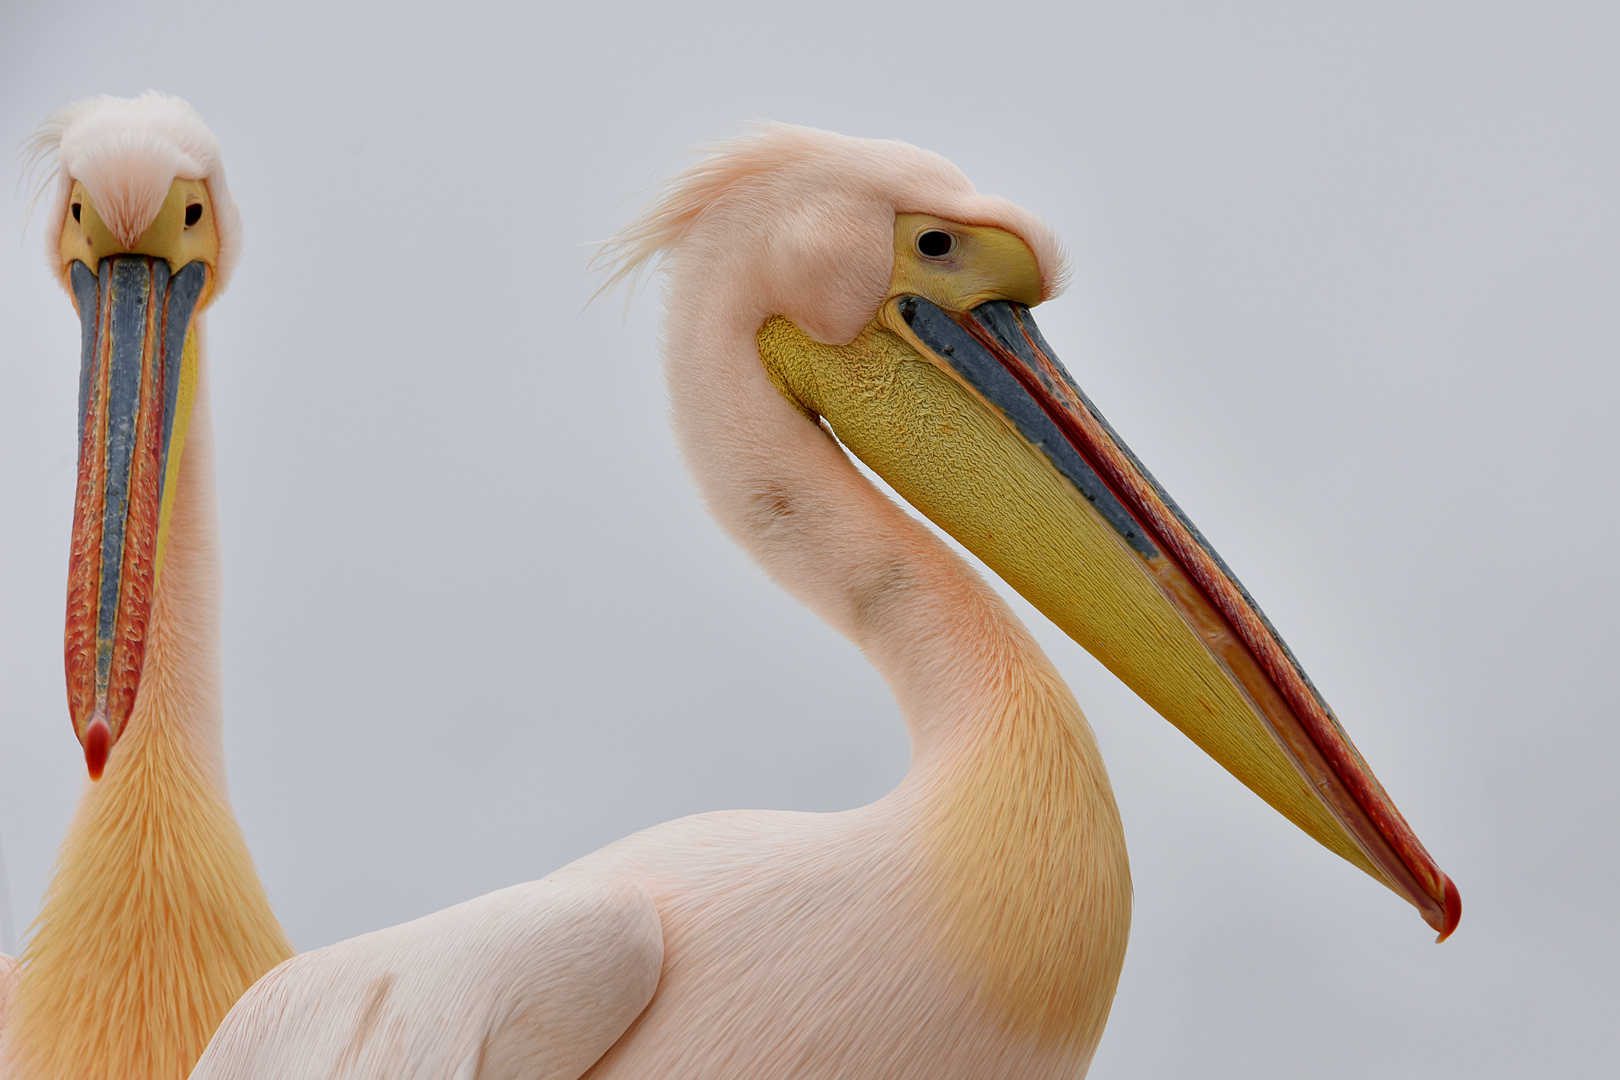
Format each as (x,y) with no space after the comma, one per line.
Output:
(77,211)
(193,214)
(936,244)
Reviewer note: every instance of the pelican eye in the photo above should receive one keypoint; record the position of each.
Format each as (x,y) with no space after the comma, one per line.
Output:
(935,244)
(78,210)
(193,214)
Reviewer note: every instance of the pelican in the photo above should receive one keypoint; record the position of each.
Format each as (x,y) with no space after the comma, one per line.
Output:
(154,921)
(829,296)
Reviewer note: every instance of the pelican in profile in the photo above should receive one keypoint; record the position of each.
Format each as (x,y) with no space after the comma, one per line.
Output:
(155,921)
(827,297)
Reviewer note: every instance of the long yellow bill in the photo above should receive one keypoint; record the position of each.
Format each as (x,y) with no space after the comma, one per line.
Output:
(955,399)
(138,373)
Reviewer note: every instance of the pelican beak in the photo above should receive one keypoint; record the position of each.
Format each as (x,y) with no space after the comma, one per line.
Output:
(953,397)
(138,374)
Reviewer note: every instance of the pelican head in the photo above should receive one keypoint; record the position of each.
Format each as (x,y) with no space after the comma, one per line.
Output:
(891,303)
(143,234)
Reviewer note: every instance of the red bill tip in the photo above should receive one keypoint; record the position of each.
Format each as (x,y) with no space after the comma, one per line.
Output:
(97,741)
(1453,902)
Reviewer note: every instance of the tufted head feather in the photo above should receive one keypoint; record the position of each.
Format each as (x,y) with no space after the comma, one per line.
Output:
(813,212)
(127,152)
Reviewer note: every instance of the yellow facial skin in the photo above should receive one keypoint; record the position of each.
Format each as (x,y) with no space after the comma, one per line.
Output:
(87,239)
(986,264)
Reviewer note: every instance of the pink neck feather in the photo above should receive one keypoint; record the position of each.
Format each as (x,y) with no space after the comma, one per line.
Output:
(787,493)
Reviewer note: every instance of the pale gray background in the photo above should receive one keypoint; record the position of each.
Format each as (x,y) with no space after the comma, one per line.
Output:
(1345,276)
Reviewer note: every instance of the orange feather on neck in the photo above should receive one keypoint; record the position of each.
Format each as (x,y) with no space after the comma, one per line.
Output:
(1027,853)
(155,923)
